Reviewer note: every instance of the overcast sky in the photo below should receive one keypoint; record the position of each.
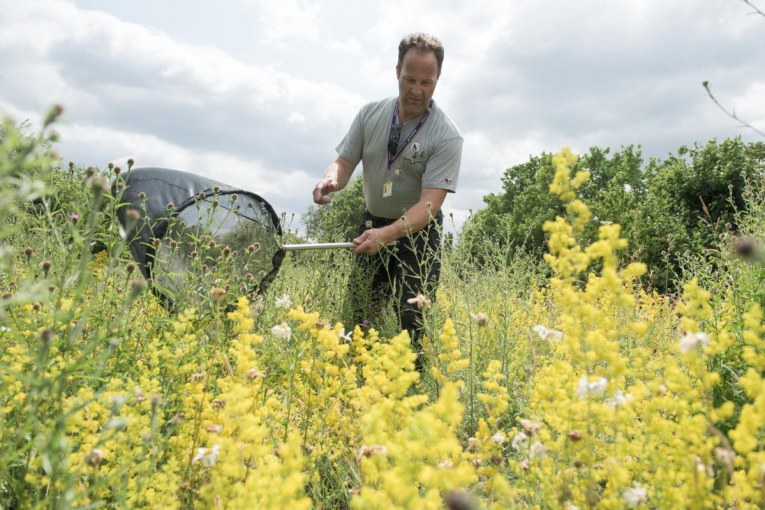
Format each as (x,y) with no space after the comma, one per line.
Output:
(258,93)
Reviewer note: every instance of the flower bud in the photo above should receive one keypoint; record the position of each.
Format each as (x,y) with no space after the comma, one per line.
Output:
(53,114)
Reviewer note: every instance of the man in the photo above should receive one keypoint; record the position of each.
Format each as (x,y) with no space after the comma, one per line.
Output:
(410,153)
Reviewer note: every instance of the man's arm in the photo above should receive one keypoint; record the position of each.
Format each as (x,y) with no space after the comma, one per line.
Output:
(336,177)
(431,200)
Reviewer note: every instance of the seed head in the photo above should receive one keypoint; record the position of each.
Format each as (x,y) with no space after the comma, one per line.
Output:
(46,335)
(458,500)
(480,318)
(137,287)
(97,183)
(217,293)
(95,457)
(253,373)
(745,247)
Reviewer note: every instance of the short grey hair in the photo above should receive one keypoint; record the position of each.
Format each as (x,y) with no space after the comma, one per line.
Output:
(423,42)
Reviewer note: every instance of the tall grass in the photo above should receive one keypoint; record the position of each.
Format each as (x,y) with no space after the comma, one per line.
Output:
(549,384)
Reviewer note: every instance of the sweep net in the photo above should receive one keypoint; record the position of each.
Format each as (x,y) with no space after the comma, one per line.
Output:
(217,242)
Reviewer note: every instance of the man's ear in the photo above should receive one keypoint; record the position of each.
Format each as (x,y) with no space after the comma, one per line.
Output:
(398,71)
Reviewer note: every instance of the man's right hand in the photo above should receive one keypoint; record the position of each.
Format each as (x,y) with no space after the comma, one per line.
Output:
(322,189)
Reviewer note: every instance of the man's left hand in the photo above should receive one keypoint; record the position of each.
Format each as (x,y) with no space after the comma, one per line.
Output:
(370,242)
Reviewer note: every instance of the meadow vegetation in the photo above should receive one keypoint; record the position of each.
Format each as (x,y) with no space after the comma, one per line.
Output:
(557,378)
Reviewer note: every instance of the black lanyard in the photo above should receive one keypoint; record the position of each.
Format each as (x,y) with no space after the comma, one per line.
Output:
(395,133)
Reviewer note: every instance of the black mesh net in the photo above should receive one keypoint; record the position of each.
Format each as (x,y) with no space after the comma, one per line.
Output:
(197,239)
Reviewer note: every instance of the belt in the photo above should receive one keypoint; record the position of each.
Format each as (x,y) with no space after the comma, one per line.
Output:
(378,221)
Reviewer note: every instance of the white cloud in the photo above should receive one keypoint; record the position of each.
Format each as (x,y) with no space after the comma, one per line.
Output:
(261,92)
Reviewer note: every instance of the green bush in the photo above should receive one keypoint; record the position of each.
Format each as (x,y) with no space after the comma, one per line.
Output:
(666,208)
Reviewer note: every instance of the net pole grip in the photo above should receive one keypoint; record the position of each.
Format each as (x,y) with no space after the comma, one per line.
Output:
(315,246)
(322,246)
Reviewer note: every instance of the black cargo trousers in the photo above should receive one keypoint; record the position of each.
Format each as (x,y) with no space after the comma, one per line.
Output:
(399,272)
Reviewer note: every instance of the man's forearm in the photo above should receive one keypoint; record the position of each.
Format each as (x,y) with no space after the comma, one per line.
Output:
(340,171)
(416,217)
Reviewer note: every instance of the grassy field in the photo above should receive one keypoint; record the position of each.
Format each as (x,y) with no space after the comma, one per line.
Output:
(555,383)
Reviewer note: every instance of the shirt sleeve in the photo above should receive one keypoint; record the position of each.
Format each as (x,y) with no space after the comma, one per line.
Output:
(352,146)
(443,167)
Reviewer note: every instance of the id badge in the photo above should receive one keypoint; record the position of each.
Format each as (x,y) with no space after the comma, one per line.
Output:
(387,189)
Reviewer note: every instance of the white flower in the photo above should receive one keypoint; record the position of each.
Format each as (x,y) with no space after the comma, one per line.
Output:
(594,386)
(619,398)
(634,495)
(118,400)
(551,335)
(4,329)
(537,450)
(207,456)
(498,438)
(520,440)
(346,337)
(445,464)
(692,341)
(282,330)
(284,302)
(116,423)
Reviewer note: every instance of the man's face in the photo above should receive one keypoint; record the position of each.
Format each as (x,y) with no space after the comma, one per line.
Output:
(417,78)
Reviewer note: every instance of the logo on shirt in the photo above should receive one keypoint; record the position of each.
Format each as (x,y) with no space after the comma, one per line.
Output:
(415,153)
(448,181)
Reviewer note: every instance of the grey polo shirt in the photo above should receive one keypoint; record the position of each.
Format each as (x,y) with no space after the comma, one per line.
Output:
(430,160)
